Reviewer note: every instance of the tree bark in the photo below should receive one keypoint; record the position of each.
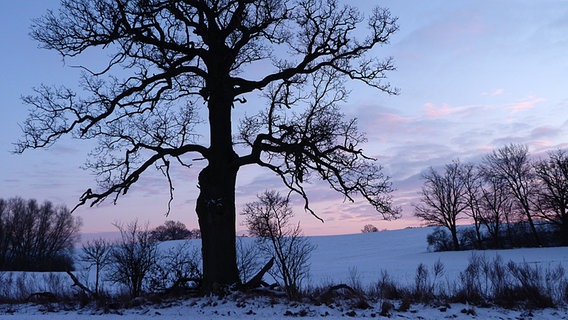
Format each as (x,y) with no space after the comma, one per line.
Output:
(455,240)
(216,212)
(216,202)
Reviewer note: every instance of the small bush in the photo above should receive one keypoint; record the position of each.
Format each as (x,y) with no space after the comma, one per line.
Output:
(368,228)
(440,240)
(473,288)
(427,285)
(176,270)
(468,238)
(386,288)
(133,258)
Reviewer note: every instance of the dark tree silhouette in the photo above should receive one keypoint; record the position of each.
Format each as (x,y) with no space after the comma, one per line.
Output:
(444,198)
(170,61)
(97,254)
(512,165)
(369,228)
(473,192)
(553,192)
(36,237)
(269,219)
(496,206)
(170,230)
(133,257)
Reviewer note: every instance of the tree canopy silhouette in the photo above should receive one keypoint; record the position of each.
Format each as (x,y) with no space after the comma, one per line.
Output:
(171,61)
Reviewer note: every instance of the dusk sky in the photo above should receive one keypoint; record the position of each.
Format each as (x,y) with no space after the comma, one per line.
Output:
(473,76)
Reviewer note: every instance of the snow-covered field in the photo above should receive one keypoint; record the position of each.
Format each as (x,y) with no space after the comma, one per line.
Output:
(337,259)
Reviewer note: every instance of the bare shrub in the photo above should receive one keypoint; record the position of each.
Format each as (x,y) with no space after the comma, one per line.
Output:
(269,220)
(177,270)
(439,240)
(355,280)
(16,287)
(133,257)
(97,255)
(529,285)
(427,284)
(510,284)
(386,288)
(471,290)
(247,259)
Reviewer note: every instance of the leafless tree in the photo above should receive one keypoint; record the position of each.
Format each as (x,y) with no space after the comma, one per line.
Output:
(171,61)
(552,174)
(443,198)
(369,228)
(133,257)
(97,254)
(36,237)
(511,164)
(473,193)
(269,220)
(496,206)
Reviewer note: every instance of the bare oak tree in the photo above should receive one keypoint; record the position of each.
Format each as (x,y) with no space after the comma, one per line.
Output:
(512,165)
(553,192)
(444,198)
(473,195)
(496,206)
(171,61)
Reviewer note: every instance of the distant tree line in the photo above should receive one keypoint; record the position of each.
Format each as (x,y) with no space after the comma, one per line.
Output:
(36,237)
(512,200)
(173,230)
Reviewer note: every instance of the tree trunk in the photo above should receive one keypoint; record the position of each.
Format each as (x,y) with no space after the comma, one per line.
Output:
(455,240)
(216,213)
(528,214)
(564,230)
(216,202)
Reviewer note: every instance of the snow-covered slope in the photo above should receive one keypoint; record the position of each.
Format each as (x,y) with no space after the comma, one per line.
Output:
(399,252)
(337,259)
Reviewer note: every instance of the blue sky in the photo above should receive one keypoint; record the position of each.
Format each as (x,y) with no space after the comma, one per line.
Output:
(474,76)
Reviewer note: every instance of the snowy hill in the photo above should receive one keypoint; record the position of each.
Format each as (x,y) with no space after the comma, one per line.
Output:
(337,259)
(399,252)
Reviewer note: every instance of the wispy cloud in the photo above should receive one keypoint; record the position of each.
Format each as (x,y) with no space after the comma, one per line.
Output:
(525,104)
(433,111)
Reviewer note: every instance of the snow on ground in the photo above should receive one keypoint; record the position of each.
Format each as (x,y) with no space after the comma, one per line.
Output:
(399,253)
(337,259)
(261,309)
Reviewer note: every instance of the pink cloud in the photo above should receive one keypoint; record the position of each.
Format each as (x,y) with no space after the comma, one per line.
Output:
(525,104)
(540,144)
(394,119)
(544,132)
(433,111)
